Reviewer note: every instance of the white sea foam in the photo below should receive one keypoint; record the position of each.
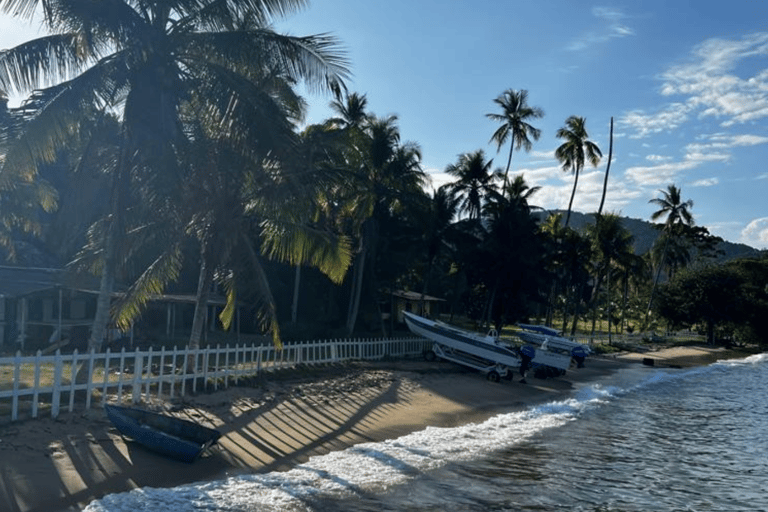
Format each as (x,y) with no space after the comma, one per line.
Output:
(371,467)
(364,467)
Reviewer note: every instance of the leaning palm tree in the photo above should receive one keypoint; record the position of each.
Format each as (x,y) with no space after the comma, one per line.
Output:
(575,152)
(677,213)
(144,60)
(515,124)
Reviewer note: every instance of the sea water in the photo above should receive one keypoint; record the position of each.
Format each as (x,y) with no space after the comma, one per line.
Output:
(643,439)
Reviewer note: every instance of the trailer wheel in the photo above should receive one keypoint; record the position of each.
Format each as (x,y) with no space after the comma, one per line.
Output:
(493,376)
(430,355)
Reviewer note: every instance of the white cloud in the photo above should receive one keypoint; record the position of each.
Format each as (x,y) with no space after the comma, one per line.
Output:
(611,26)
(659,175)
(670,117)
(755,233)
(707,182)
(658,158)
(710,83)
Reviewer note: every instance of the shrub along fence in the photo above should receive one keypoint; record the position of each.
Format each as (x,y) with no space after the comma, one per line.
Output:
(46,384)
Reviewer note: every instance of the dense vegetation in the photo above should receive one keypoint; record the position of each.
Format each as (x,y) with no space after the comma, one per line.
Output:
(162,146)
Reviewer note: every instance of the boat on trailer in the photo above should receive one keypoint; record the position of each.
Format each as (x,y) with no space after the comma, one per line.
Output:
(488,353)
(174,437)
(551,340)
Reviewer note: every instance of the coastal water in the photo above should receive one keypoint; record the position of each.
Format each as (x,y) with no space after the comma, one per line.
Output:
(642,440)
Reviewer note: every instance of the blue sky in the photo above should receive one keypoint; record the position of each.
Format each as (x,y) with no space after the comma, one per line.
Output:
(686,83)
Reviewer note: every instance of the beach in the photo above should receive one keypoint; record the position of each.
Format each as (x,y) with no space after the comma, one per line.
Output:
(274,422)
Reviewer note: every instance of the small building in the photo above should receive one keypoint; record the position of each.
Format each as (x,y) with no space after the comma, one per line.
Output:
(44,307)
(417,303)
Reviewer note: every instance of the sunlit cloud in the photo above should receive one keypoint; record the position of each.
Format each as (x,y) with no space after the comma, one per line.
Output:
(668,118)
(611,26)
(755,233)
(659,175)
(658,158)
(707,182)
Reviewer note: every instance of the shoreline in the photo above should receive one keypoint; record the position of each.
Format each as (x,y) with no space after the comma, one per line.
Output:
(276,422)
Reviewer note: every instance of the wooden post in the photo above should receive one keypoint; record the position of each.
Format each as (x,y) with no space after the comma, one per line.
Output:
(56,398)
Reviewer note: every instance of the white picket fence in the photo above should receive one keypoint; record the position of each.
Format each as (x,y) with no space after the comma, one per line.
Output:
(43,382)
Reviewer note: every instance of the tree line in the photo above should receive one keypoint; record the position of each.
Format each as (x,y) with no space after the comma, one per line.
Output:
(163,144)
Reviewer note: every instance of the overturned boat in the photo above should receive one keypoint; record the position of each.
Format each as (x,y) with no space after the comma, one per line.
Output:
(173,437)
(488,353)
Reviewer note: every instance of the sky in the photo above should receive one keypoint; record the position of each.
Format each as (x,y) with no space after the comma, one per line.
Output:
(686,83)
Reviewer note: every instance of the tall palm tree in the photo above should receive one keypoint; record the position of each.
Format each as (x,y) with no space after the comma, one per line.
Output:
(575,152)
(612,243)
(515,120)
(676,212)
(146,59)
(385,176)
(474,181)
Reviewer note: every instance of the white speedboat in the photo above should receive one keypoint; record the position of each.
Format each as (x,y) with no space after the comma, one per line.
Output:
(551,340)
(487,353)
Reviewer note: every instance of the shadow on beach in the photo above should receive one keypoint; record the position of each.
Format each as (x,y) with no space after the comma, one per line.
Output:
(51,465)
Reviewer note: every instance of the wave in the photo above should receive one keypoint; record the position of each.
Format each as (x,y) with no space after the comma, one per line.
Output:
(374,467)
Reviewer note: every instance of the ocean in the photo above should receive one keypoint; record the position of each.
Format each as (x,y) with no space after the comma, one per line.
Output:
(643,439)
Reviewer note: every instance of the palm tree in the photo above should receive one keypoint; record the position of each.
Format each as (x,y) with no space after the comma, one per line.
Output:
(575,152)
(515,124)
(677,213)
(474,182)
(612,243)
(146,60)
(385,176)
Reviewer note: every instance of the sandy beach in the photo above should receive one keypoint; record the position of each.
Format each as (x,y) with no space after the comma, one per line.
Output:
(275,422)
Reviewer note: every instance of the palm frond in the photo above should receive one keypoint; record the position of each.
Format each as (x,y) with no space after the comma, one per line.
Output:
(152,281)
(303,245)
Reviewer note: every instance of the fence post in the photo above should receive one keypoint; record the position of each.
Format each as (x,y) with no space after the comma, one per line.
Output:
(73,381)
(90,379)
(120,376)
(56,397)
(148,380)
(137,371)
(16,379)
(106,377)
(36,394)
(160,375)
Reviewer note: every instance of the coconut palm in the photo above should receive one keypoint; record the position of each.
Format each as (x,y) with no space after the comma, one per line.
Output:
(612,243)
(145,60)
(576,151)
(385,176)
(515,124)
(474,181)
(676,213)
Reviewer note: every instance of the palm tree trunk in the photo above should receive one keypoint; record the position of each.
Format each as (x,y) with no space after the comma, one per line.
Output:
(296,287)
(205,278)
(573,194)
(356,292)
(607,170)
(104,299)
(656,279)
(509,163)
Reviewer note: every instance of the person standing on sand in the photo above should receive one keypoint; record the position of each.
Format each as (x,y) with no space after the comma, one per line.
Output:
(525,363)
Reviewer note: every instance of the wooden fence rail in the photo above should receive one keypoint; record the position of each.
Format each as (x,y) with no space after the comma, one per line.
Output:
(29,384)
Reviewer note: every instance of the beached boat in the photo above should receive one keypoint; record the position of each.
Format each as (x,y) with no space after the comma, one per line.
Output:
(551,339)
(174,437)
(488,353)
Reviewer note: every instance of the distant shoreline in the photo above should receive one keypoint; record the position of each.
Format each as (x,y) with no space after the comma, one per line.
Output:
(62,465)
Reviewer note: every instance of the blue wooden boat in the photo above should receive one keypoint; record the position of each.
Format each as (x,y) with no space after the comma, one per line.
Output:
(174,437)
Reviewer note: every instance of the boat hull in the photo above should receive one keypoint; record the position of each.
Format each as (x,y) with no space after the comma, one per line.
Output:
(173,437)
(485,347)
(476,345)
